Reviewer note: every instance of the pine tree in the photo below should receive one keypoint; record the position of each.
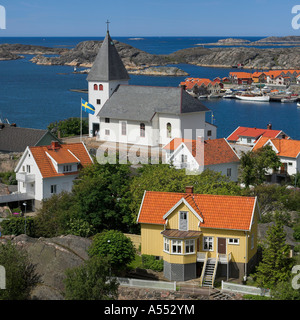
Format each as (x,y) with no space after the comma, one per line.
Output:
(276,264)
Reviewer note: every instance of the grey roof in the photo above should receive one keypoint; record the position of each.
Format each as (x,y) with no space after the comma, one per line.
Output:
(16,139)
(108,64)
(140,103)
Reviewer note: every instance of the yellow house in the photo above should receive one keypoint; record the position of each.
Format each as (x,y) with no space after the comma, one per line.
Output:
(199,234)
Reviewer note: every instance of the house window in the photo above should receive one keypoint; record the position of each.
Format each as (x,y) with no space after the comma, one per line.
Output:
(184,158)
(101,87)
(123,128)
(67,168)
(95,87)
(107,120)
(142,130)
(23,168)
(169,130)
(28,168)
(252,241)
(107,132)
(98,101)
(166,245)
(190,246)
(248,140)
(208,243)
(183,225)
(228,172)
(53,189)
(209,133)
(233,241)
(176,246)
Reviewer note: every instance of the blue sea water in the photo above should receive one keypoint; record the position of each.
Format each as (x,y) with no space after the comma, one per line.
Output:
(34,96)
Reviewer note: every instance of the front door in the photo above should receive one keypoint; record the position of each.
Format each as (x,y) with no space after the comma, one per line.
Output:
(222,245)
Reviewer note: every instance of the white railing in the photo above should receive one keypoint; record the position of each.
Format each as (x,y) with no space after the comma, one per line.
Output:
(204,265)
(227,286)
(150,284)
(25,177)
(201,256)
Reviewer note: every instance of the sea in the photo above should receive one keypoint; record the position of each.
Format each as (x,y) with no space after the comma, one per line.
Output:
(34,96)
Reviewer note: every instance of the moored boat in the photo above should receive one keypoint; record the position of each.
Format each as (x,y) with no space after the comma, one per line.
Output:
(252,97)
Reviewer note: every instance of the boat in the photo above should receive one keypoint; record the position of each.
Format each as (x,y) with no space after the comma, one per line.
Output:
(229,96)
(213,96)
(202,96)
(252,97)
(288,99)
(298,104)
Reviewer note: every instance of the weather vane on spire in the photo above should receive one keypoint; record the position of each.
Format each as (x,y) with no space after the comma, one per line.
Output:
(107,22)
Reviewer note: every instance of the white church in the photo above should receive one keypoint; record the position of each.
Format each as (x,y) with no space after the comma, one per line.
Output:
(140,115)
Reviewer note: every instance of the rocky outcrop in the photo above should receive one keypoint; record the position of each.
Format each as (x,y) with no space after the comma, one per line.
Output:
(52,257)
(161,71)
(7,55)
(17,48)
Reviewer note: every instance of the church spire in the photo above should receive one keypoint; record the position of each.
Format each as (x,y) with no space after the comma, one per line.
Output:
(108,64)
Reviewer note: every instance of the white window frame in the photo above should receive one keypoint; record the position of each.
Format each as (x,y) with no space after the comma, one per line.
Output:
(166,245)
(67,168)
(228,172)
(53,189)
(125,124)
(252,241)
(177,244)
(187,221)
(28,168)
(210,240)
(188,244)
(234,241)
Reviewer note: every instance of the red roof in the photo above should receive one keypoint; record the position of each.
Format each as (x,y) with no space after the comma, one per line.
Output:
(252,133)
(217,211)
(63,154)
(216,151)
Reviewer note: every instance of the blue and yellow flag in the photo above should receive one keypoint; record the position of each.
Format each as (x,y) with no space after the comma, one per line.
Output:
(87,107)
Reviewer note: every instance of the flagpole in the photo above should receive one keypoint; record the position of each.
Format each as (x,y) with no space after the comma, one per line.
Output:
(81,121)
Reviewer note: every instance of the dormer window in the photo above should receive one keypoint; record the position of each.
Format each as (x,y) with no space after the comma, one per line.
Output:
(68,168)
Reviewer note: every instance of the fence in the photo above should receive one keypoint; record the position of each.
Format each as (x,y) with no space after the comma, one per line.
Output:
(227,286)
(162,285)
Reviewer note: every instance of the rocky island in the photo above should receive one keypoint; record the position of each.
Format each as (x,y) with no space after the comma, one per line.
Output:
(137,61)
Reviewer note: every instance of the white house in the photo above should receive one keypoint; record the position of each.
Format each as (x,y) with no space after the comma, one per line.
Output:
(198,155)
(139,115)
(46,170)
(287,150)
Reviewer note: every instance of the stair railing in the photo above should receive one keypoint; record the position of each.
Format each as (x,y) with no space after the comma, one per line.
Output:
(203,269)
(215,270)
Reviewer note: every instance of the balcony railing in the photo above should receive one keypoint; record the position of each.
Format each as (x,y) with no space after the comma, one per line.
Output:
(25,177)
(223,258)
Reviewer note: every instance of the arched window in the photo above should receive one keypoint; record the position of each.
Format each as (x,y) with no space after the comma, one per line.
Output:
(100,87)
(95,87)
(142,130)
(169,130)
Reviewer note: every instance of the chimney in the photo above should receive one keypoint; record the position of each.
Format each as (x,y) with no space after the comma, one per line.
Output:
(269,126)
(54,145)
(189,189)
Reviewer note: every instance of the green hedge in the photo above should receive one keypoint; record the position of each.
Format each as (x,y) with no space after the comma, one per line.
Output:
(150,262)
(16,226)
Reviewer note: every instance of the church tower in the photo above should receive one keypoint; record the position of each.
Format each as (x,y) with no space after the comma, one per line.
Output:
(107,72)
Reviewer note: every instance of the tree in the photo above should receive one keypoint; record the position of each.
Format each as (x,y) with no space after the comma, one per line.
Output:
(91,281)
(115,245)
(69,127)
(21,276)
(255,165)
(101,196)
(276,264)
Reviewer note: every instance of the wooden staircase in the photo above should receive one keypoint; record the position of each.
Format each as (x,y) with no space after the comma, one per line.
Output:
(209,271)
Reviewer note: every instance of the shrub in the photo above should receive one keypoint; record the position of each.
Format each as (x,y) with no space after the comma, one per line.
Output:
(150,262)
(16,226)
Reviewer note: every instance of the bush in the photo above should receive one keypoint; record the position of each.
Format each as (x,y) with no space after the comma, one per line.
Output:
(150,262)
(16,226)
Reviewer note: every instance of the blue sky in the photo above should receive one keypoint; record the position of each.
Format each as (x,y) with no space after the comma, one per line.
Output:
(148,18)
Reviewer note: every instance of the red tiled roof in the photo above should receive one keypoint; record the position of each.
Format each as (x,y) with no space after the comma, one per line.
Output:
(217,211)
(216,151)
(286,147)
(253,133)
(61,155)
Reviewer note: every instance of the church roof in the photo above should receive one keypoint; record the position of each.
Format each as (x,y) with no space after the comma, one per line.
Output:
(140,103)
(108,64)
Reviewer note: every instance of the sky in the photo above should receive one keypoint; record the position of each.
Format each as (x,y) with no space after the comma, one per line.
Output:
(76,18)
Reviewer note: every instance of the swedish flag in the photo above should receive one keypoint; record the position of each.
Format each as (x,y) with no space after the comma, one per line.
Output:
(87,107)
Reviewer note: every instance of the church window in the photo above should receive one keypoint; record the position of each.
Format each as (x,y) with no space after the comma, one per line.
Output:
(98,101)
(142,129)
(107,132)
(101,87)
(169,130)
(123,127)
(107,120)
(95,87)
